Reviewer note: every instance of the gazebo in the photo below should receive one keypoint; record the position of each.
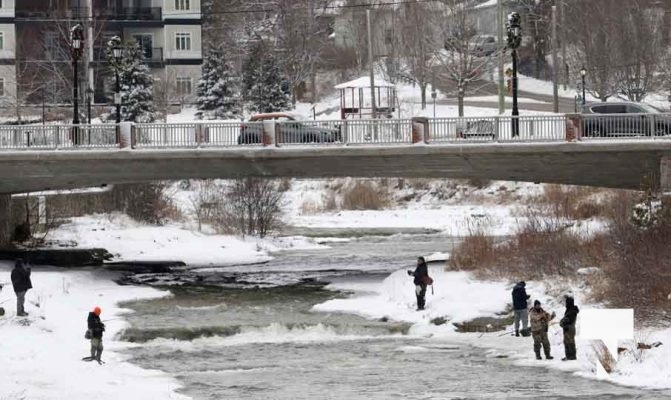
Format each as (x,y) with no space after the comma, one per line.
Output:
(355,98)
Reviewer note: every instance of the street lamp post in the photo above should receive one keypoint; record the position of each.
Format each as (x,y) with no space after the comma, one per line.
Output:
(583,72)
(117,54)
(514,41)
(77,46)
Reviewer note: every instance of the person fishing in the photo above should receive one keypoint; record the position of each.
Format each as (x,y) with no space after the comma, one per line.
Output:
(421,281)
(540,322)
(95,333)
(568,325)
(21,283)
(520,298)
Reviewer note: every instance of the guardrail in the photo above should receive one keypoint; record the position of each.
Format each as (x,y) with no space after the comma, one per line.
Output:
(51,137)
(486,129)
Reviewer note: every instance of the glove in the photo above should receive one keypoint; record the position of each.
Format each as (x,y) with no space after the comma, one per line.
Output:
(528,296)
(553,315)
(409,272)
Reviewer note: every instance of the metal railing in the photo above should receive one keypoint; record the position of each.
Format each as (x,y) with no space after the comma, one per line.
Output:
(600,126)
(498,129)
(49,137)
(129,13)
(495,129)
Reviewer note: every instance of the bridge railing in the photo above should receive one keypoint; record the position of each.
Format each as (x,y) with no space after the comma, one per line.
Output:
(505,129)
(498,129)
(58,136)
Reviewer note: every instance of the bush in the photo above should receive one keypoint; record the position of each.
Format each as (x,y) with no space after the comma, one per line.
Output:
(143,202)
(474,250)
(365,196)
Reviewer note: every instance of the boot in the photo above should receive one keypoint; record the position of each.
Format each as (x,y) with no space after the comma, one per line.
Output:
(538,355)
(517,332)
(93,353)
(99,353)
(547,354)
(572,353)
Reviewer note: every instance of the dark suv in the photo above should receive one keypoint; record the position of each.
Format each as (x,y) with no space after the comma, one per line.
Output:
(292,128)
(624,119)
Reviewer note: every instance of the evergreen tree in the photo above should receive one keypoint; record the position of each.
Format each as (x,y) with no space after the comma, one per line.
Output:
(267,88)
(136,83)
(217,89)
(251,67)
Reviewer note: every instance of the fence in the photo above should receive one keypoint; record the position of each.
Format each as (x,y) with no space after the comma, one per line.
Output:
(505,129)
(40,137)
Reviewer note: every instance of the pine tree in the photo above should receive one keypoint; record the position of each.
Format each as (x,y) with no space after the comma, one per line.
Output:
(217,89)
(136,83)
(267,88)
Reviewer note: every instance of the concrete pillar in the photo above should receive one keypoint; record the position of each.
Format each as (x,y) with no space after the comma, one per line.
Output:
(420,130)
(126,138)
(5,219)
(573,127)
(270,133)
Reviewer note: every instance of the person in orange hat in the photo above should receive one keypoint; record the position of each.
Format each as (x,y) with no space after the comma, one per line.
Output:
(96,328)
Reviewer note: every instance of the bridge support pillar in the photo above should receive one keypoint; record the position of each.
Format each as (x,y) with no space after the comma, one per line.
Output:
(5,220)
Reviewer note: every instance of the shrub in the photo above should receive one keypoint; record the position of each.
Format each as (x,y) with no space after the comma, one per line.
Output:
(365,196)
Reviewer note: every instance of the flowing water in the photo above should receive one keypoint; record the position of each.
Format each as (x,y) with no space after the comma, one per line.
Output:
(248,332)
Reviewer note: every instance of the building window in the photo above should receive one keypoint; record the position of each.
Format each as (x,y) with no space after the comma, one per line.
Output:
(183,86)
(2,86)
(183,41)
(180,4)
(2,39)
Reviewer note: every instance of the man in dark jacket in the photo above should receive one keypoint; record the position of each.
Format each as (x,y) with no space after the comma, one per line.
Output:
(97,328)
(21,282)
(420,275)
(568,325)
(520,298)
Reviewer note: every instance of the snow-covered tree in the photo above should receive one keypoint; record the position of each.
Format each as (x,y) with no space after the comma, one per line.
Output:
(136,84)
(218,90)
(268,88)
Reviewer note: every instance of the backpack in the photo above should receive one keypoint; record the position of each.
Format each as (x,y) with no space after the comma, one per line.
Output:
(427,280)
(88,334)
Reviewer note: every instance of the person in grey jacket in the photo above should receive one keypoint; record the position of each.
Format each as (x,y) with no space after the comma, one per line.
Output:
(520,298)
(21,282)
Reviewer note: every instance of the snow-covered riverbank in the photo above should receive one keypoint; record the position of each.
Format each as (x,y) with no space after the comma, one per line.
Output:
(41,354)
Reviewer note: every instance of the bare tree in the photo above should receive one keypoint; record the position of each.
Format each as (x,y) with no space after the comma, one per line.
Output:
(459,62)
(205,200)
(418,45)
(252,206)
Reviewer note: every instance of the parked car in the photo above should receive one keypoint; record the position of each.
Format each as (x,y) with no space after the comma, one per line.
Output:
(292,127)
(483,45)
(624,119)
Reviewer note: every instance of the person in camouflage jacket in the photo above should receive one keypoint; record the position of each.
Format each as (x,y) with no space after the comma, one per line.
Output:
(540,321)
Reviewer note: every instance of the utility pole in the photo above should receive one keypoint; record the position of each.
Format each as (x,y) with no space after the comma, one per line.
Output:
(499,25)
(555,63)
(372,64)
(562,18)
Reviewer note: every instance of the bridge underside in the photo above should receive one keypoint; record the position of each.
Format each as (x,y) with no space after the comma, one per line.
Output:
(632,165)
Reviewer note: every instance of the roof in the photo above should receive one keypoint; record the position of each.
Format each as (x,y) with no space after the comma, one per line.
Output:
(364,82)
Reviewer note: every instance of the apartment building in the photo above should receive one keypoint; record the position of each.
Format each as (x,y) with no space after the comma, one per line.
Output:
(36,61)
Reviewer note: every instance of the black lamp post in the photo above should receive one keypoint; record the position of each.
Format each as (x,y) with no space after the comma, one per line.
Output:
(117,54)
(76,46)
(583,72)
(514,41)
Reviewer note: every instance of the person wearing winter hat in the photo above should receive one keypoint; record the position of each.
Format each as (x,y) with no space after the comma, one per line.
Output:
(540,321)
(520,305)
(568,325)
(96,328)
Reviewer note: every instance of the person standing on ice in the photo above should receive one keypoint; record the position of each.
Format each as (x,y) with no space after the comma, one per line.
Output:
(22,283)
(421,277)
(568,325)
(97,328)
(520,298)
(540,321)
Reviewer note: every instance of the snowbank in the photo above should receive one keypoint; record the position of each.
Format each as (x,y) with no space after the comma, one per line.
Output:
(41,354)
(458,298)
(130,240)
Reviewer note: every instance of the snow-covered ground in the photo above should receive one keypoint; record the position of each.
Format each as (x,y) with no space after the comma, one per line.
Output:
(458,297)
(41,354)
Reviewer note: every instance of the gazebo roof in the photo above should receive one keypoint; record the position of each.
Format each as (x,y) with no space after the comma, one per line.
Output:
(364,82)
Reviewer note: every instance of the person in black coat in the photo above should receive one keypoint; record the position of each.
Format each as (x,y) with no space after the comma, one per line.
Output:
(21,282)
(420,275)
(568,325)
(520,305)
(96,328)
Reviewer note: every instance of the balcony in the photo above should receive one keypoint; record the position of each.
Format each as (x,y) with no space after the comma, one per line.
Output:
(129,14)
(46,13)
(153,56)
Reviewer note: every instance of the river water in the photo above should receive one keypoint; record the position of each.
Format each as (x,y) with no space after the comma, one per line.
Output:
(248,332)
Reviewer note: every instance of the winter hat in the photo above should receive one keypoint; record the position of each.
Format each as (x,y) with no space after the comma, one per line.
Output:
(97,311)
(537,303)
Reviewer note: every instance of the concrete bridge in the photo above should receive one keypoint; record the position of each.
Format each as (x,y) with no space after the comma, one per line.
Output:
(69,157)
